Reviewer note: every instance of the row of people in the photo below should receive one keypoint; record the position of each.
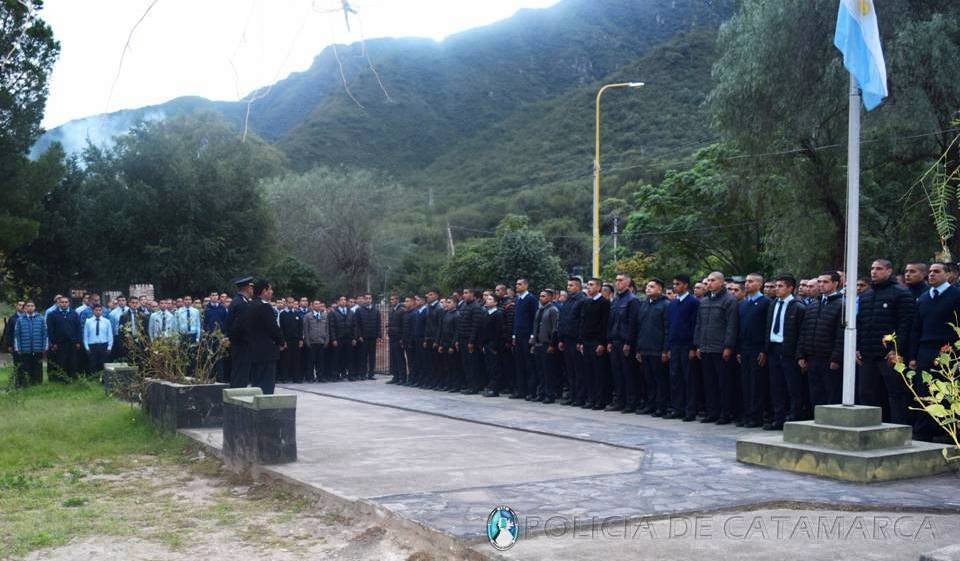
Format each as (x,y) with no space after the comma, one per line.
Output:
(753,352)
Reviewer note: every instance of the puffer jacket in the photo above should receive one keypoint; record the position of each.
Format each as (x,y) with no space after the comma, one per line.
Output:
(821,333)
(886,308)
(718,323)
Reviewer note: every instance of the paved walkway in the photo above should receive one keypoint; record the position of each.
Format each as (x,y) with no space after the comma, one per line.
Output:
(446,459)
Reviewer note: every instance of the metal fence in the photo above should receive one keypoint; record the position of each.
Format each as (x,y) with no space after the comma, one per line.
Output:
(383,344)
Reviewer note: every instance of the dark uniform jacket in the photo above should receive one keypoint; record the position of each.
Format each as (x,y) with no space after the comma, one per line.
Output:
(525,309)
(368,322)
(343,324)
(409,327)
(63,328)
(790,326)
(753,319)
(448,328)
(467,324)
(235,318)
(594,318)
(291,326)
(885,308)
(821,334)
(214,317)
(624,317)
(395,322)
(718,323)
(653,327)
(568,324)
(432,328)
(490,329)
(931,325)
(260,331)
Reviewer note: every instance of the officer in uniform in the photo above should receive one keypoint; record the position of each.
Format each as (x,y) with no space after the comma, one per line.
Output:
(239,349)
(263,336)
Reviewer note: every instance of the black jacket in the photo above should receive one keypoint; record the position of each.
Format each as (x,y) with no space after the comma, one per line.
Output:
(408,328)
(343,325)
(290,326)
(63,328)
(368,322)
(931,325)
(490,329)
(234,318)
(624,318)
(886,308)
(260,331)
(432,331)
(395,322)
(469,317)
(821,334)
(594,317)
(653,326)
(568,325)
(790,326)
(448,327)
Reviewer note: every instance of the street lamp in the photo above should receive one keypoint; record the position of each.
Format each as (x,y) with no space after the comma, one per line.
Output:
(596,178)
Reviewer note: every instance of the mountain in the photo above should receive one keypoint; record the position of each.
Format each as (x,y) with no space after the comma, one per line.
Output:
(488,110)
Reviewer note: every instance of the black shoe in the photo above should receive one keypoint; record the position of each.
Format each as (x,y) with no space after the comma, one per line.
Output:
(628,410)
(689,418)
(740,424)
(587,405)
(613,407)
(773,426)
(752,425)
(548,400)
(673,415)
(566,401)
(598,407)
(659,413)
(709,419)
(454,390)
(576,404)
(723,421)
(490,393)
(516,396)
(645,410)
(529,397)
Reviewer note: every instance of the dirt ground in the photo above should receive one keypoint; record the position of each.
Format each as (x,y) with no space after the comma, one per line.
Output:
(151,510)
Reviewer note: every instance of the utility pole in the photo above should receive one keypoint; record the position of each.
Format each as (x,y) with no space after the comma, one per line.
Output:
(450,247)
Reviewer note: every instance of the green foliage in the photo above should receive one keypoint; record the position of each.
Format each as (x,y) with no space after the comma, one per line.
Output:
(291,276)
(472,266)
(175,203)
(27,53)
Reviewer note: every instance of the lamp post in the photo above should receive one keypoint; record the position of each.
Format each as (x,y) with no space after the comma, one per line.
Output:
(596,177)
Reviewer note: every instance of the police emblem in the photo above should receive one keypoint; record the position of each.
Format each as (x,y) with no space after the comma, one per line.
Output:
(502,528)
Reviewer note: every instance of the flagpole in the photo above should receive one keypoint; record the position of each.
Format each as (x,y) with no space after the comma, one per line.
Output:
(853,238)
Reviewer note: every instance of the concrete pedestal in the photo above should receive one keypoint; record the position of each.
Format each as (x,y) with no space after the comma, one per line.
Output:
(120,380)
(257,428)
(845,442)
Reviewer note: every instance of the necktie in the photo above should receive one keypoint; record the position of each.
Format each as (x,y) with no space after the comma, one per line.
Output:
(823,300)
(317,315)
(163,322)
(98,326)
(776,318)
(189,323)
(936,293)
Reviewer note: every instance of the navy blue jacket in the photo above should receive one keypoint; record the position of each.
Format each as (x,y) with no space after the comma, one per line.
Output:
(214,317)
(568,325)
(931,323)
(753,324)
(624,318)
(682,318)
(525,310)
(420,323)
(654,326)
(63,328)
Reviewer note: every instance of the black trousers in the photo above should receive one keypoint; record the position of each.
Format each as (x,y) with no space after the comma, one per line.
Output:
(595,373)
(316,355)
(753,387)
(239,366)
(925,428)
(410,358)
(62,363)
(29,370)
(572,366)
(617,366)
(97,356)
(290,363)
(786,386)
(453,373)
(395,350)
(491,365)
(368,356)
(657,381)
(548,369)
(880,385)
(264,375)
(344,352)
(679,367)
(523,368)
(718,387)
(826,385)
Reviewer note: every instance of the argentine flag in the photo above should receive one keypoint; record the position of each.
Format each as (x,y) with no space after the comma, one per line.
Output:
(858,39)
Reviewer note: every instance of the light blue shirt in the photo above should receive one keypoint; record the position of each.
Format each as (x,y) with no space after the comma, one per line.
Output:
(782,312)
(188,322)
(115,318)
(942,287)
(162,324)
(90,335)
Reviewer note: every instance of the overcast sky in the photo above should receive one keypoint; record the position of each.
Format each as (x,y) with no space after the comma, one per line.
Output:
(222,49)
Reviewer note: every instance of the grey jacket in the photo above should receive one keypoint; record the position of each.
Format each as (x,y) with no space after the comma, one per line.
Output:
(316,331)
(545,325)
(718,322)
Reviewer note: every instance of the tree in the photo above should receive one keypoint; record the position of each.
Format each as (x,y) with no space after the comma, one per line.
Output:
(27,53)
(175,203)
(330,219)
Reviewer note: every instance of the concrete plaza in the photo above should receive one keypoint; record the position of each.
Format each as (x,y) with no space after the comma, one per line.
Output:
(591,484)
